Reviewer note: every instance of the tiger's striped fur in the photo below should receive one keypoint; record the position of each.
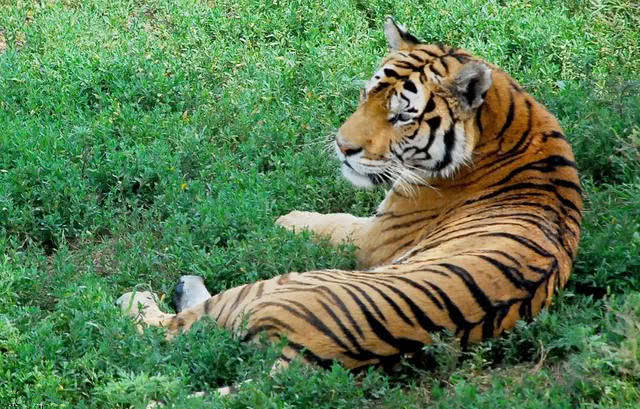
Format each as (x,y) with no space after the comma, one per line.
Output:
(479,228)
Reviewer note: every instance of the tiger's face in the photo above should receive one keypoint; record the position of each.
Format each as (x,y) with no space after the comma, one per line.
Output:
(415,118)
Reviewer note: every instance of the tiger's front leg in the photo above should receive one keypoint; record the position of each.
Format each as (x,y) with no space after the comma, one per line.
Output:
(338,227)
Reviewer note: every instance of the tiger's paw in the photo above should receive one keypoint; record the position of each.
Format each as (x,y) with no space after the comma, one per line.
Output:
(142,306)
(137,303)
(297,221)
(190,292)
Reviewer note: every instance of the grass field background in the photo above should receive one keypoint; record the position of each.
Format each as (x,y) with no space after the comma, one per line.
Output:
(143,140)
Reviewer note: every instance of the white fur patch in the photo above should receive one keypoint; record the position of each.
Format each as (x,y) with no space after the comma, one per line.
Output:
(355,178)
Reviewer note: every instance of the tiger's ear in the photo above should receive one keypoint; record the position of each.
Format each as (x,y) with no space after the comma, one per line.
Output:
(471,84)
(397,36)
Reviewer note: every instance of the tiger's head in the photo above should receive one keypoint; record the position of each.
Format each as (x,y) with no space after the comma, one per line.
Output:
(415,120)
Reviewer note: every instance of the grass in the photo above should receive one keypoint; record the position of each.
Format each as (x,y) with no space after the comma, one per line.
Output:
(143,140)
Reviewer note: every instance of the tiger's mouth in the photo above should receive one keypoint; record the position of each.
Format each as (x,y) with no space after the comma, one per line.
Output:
(355,172)
(379,179)
(363,180)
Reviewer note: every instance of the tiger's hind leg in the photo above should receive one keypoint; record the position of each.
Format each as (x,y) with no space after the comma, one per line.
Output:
(192,301)
(189,293)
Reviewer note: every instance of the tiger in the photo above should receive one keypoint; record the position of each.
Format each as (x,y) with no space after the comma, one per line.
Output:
(479,226)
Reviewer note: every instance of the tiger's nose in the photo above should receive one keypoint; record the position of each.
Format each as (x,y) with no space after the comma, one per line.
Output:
(348,150)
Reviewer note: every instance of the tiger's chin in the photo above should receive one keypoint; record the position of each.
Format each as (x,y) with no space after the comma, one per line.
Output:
(362,181)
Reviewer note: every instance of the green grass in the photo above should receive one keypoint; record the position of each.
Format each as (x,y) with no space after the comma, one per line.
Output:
(143,140)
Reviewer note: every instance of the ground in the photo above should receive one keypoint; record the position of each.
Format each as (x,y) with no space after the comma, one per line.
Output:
(144,140)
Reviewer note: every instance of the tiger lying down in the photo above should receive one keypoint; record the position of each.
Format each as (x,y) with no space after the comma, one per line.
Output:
(480,225)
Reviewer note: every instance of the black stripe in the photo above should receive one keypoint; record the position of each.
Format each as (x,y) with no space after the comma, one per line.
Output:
(470,230)
(391,214)
(425,322)
(488,324)
(500,252)
(552,235)
(410,86)
(408,37)
(478,216)
(478,294)
(422,288)
(464,340)
(395,238)
(456,316)
(567,184)
(283,306)
(549,209)
(500,311)
(444,64)
(432,134)
(469,93)
(362,353)
(515,86)
(390,301)
(393,74)
(434,123)
(509,119)
(525,134)
(479,118)
(525,309)
(512,274)
(346,286)
(431,105)
(406,65)
(411,223)
(546,165)
(522,240)
(449,141)
(217,318)
(258,329)
(429,53)
(240,296)
(310,356)
(277,322)
(338,301)
(260,289)
(518,186)
(416,57)
(545,274)
(434,70)
(401,344)
(410,137)
(284,358)
(311,318)
(553,134)
(379,87)
(433,245)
